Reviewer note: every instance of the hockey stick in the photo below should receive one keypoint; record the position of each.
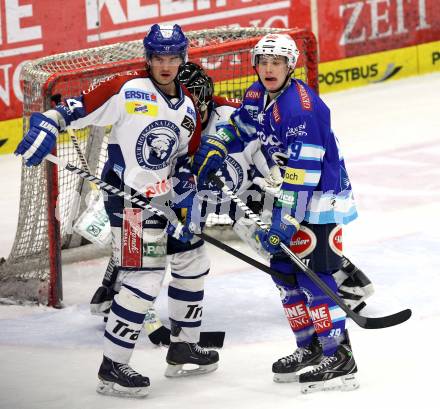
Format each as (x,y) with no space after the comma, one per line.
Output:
(145,205)
(208,338)
(364,322)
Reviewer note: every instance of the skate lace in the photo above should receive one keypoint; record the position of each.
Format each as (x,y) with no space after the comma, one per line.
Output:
(200,350)
(126,370)
(324,364)
(297,356)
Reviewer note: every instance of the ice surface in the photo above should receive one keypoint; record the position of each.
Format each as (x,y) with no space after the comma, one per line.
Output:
(390,135)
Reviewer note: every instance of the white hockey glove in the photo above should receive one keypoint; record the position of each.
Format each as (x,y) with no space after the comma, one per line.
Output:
(276,177)
(246,231)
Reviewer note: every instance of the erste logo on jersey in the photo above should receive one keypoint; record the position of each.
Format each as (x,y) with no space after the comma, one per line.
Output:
(141,102)
(157,143)
(191,111)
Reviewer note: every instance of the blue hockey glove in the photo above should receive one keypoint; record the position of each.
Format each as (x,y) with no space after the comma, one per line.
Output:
(282,229)
(208,159)
(181,232)
(39,140)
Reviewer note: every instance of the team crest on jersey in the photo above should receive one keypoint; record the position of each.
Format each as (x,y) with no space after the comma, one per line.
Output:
(156,144)
(285,294)
(273,146)
(233,174)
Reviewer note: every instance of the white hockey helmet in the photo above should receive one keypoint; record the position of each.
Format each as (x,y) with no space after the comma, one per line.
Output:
(276,44)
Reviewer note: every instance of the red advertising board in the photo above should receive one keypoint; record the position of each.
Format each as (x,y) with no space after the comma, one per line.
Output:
(350,28)
(31,29)
(346,28)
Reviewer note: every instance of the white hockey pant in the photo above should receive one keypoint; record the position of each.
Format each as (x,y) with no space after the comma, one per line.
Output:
(185,293)
(139,287)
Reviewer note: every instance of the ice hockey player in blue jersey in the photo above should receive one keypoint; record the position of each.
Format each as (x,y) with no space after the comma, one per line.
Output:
(294,127)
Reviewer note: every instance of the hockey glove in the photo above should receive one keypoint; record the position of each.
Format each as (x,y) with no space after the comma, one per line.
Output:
(283,228)
(182,232)
(208,159)
(39,140)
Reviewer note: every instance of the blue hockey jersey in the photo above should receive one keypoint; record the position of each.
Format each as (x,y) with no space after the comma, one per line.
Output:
(295,132)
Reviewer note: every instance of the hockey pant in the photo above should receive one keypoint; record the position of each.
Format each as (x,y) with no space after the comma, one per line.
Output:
(309,310)
(189,265)
(140,285)
(139,250)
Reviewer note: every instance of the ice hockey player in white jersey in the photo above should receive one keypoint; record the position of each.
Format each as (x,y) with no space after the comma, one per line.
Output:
(245,171)
(241,170)
(155,126)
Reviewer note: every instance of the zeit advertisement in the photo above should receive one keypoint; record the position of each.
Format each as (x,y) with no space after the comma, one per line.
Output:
(360,41)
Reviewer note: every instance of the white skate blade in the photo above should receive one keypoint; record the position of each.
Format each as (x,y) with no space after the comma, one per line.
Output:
(114,389)
(178,371)
(285,377)
(341,383)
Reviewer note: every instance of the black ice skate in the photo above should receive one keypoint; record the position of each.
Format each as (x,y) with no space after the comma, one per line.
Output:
(121,380)
(354,286)
(286,369)
(182,353)
(333,372)
(102,301)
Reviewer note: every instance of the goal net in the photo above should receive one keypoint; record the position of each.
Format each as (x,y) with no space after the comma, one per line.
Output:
(51,199)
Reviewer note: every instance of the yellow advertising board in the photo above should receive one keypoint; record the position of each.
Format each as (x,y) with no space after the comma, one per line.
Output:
(429,57)
(379,67)
(10,134)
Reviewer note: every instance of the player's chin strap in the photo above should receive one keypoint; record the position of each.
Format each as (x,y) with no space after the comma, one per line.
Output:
(364,322)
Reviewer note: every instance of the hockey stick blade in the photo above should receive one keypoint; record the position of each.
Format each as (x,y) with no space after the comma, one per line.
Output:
(381,322)
(362,321)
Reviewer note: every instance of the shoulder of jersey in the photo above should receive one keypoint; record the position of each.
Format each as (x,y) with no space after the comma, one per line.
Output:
(222,101)
(254,92)
(300,96)
(97,94)
(115,82)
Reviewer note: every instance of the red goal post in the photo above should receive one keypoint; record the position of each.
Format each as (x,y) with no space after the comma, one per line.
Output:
(51,199)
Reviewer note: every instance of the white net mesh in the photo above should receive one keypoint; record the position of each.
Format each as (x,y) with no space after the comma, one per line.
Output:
(33,269)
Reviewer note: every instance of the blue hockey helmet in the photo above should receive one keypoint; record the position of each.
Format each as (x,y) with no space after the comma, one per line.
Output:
(166,40)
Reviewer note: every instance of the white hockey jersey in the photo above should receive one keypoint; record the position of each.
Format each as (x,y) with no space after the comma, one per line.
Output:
(149,132)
